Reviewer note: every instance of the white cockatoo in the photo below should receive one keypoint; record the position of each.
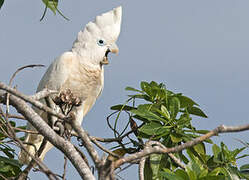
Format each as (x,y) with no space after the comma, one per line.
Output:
(80,70)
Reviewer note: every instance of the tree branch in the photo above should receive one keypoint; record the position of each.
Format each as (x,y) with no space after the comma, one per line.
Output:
(43,93)
(104,149)
(43,167)
(65,146)
(87,142)
(141,168)
(29,99)
(159,149)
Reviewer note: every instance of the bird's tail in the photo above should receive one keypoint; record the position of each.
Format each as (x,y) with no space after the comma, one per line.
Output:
(32,143)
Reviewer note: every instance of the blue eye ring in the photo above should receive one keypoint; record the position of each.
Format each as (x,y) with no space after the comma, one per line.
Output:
(101,42)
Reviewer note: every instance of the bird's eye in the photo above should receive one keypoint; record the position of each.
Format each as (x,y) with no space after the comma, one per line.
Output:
(101,42)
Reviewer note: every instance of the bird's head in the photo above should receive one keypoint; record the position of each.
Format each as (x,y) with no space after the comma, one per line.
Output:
(99,37)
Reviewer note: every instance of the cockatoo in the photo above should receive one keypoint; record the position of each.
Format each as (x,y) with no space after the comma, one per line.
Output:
(80,70)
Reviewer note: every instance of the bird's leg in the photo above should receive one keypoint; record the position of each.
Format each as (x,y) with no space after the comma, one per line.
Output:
(52,119)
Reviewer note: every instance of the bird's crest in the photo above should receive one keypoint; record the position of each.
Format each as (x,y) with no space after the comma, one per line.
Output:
(106,25)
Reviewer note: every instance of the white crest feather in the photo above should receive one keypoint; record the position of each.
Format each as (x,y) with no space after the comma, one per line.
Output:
(106,25)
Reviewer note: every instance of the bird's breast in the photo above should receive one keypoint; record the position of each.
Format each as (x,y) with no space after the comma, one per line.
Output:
(85,82)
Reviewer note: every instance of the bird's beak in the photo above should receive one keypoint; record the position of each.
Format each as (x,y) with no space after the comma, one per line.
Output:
(113,49)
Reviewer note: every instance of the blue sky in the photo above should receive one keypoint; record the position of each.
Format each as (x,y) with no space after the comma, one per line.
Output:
(199,48)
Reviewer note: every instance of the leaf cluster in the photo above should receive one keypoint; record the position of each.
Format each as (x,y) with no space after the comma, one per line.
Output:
(166,117)
(9,165)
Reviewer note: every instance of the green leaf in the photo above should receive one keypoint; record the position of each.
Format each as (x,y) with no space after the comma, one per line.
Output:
(232,173)
(155,160)
(183,158)
(216,150)
(141,96)
(152,128)
(196,111)
(174,106)
(216,171)
(184,121)
(12,162)
(8,152)
(132,89)
(245,174)
(245,155)
(165,112)
(200,148)
(13,123)
(191,173)
(203,173)
(237,151)
(145,87)
(244,167)
(175,138)
(165,161)
(194,166)
(169,175)
(22,138)
(2,136)
(51,4)
(208,141)
(218,177)
(1,3)
(154,84)
(5,168)
(202,131)
(181,173)
(235,171)
(186,101)
(122,107)
(147,170)
(144,112)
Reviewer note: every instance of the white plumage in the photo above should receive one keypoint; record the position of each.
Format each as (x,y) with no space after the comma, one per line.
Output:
(80,70)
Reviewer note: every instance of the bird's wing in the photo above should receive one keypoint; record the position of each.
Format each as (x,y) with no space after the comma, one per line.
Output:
(55,76)
(57,73)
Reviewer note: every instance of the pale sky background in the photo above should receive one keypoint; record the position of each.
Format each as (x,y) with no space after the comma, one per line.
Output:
(199,48)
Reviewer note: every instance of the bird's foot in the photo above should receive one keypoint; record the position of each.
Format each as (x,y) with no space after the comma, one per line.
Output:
(66,101)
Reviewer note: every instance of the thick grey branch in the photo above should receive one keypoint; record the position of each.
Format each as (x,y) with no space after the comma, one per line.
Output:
(65,146)
(29,99)
(87,142)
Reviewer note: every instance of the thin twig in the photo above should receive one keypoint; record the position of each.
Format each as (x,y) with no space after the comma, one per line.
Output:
(177,161)
(26,171)
(82,155)
(141,168)
(109,124)
(104,149)
(25,130)
(12,78)
(112,172)
(23,67)
(109,140)
(13,116)
(4,178)
(64,168)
